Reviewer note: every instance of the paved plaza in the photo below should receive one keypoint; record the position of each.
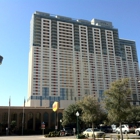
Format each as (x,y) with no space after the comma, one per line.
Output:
(41,137)
(22,137)
(36,137)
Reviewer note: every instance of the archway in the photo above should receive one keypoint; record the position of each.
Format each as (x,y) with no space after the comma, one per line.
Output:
(53,120)
(13,124)
(30,121)
(46,119)
(21,120)
(37,121)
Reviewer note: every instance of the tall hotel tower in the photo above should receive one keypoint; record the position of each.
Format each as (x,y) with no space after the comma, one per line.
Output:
(72,58)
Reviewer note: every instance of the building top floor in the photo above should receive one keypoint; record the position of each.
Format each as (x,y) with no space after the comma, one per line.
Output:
(93,22)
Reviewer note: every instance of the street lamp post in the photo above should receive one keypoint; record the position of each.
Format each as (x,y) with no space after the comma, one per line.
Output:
(1,58)
(43,127)
(60,123)
(77,114)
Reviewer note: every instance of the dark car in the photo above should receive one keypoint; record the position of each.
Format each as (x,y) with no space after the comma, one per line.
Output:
(106,129)
(66,132)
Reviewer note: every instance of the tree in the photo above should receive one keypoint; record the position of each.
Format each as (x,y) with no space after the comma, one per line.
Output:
(133,114)
(13,125)
(116,101)
(91,110)
(69,114)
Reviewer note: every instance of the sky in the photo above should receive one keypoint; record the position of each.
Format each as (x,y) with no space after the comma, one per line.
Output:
(15,18)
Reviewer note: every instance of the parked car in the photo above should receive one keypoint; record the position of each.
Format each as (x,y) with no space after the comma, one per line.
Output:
(137,131)
(66,132)
(114,127)
(126,129)
(97,132)
(106,129)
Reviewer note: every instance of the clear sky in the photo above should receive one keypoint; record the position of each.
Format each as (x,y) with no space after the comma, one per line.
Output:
(15,18)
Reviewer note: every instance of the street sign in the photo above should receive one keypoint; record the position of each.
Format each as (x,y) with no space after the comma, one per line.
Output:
(43,125)
(55,106)
(56,127)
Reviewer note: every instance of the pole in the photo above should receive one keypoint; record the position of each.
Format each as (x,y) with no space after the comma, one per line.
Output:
(56,121)
(43,127)
(60,125)
(77,129)
(9,115)
(23,117)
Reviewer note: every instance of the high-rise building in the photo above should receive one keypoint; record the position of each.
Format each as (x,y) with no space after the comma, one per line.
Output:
(72,58)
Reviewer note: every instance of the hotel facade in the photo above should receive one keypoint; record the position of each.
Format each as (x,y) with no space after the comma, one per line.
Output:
(71,58)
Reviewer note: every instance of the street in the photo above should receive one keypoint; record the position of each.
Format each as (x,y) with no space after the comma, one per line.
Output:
(36,137)
(128,136)
(41,137)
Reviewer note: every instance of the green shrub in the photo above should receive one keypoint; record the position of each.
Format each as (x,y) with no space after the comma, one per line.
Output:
(97,136)
(46,135)
(58,134)
(81,136)
(87,135)
(53,134)
(118,137)
(103,137)
(127,136)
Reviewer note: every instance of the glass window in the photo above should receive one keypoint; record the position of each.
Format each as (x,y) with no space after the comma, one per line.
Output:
(134,97)
(88,130)
(96,129)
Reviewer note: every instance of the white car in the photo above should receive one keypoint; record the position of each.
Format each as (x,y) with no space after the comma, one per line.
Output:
(137,131)
(114,127)
(125,129)
(97,132)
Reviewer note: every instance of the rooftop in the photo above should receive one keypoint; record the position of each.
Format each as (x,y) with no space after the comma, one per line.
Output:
(95,22)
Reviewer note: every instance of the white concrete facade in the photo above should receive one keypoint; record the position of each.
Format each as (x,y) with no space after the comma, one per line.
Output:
(66,72)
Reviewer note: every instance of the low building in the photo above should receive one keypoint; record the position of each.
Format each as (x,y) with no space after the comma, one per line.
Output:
(33,117)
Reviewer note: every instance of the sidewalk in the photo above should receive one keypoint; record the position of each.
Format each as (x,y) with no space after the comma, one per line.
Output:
(95,139)
(108,138)
(87,139)
(74,138)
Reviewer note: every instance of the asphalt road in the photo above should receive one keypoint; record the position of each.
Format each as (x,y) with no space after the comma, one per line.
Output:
(128,136)
(36,137)
(22,138)
(41,137)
